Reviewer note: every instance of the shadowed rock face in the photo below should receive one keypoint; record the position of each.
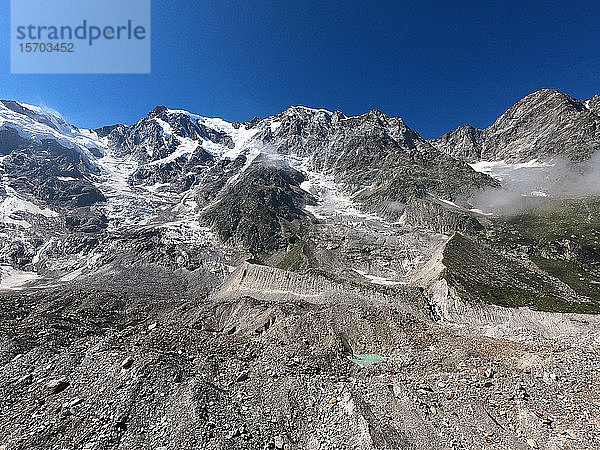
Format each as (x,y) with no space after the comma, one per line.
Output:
(263,210)
(433,216)
(544,124)
(56,175)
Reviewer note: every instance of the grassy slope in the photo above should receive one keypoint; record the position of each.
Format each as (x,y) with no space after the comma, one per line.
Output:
(561,238)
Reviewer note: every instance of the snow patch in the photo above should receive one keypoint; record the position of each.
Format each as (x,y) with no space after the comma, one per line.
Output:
(66,135)
(502,170)
(332,203)
(314,110)
(539,194)
(12,206)
(186,147)
(33,108)
(478,211)
(15,280)
(167,131)
(379,280)
(240,135)
(449,203)
(72,276)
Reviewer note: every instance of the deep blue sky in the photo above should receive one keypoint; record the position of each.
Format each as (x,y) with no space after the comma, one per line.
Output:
(437,64)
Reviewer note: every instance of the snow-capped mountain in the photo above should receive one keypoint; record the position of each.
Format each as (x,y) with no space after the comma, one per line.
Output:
(198,184)
(181,199)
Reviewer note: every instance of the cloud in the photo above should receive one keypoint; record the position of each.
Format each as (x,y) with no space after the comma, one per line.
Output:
(527,185)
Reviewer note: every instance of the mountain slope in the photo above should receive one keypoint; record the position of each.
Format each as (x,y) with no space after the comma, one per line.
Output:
(190,179)
(544,124)
(364,199)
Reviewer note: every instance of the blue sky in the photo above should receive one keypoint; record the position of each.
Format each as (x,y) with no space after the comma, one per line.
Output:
(437,64)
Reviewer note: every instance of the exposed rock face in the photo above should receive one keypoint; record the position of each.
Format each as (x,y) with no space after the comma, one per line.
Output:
(160,133)
(545,124)
(52,173)
(594,104)
(464,143)
(375,157)
(263,210)
(433,216)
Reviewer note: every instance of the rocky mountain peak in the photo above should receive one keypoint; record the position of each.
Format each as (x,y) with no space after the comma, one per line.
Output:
(465,142)
(306,111)
(541,104)
(376,114)
(594,104)
(544,124)
(158,111)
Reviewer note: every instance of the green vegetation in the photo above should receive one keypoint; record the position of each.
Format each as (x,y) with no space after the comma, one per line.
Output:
(481,273)
(262,211)
(576,276)
(295,259)
(551,224)
(562,237)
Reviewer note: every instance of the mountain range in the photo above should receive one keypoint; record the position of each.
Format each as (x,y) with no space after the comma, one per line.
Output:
(258,234)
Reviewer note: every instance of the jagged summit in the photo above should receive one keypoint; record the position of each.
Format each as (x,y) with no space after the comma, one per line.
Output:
(308,109)
(158,111)
(545,124)
(593,104)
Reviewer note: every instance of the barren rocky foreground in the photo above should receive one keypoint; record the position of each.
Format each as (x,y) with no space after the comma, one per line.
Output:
(92,370)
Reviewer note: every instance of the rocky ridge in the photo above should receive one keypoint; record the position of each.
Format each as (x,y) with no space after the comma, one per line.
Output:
(544,124)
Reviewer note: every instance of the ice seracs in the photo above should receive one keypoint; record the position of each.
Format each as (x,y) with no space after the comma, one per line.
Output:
(35,124)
